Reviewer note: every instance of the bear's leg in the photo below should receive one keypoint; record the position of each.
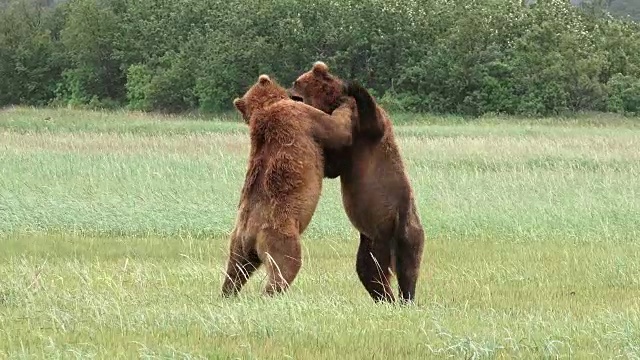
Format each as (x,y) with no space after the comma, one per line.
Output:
(241,264)
(281,253)
(408,259)
(372,266)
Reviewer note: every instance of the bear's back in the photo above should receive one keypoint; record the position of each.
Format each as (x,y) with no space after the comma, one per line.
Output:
(284,153)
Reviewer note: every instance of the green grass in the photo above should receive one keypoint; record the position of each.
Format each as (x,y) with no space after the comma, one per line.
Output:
(114,226)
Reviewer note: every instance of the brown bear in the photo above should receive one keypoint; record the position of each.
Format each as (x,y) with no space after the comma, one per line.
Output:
(376,192)
(282,184)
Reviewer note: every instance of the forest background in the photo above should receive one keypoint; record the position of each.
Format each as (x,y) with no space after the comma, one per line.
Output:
(467,57)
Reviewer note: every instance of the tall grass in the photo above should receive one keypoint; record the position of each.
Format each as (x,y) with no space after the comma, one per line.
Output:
(113,230)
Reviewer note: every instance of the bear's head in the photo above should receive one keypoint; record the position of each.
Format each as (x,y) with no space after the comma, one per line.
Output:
(262,94)
(318,88)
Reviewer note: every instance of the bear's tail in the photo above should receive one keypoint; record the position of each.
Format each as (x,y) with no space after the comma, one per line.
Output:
(370,123)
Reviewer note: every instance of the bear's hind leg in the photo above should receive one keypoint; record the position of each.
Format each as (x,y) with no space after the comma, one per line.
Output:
(408,259)
(241,264)
(281,253)
(372,266)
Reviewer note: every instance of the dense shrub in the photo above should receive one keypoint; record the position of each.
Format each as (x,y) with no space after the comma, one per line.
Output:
(460,56)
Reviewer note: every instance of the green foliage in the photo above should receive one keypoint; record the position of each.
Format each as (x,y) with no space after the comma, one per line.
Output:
(461,57)
(30,61)
(624,94)
(89,37)
(169,89)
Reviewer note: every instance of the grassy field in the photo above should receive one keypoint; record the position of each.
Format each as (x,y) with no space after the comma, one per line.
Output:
(114,226)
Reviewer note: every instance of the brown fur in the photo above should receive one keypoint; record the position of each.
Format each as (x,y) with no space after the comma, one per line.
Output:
(283,182)
(376,191)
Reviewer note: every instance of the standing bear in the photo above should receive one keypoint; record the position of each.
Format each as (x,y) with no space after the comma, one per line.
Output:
(282,184)
(376,192)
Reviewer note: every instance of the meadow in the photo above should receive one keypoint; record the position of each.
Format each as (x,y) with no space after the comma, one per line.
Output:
(114,230)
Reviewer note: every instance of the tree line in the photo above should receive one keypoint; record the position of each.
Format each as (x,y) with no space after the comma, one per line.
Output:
(457,56)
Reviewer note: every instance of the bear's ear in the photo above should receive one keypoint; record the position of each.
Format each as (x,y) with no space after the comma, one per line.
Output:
(320,68)
(264,79)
